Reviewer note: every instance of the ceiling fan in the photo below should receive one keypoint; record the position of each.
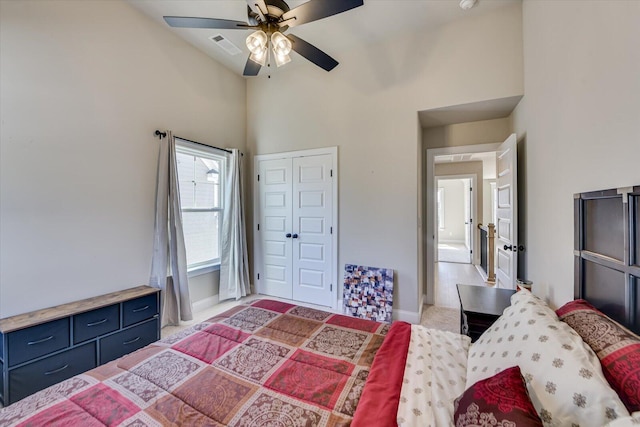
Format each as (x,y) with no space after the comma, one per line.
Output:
(271,19)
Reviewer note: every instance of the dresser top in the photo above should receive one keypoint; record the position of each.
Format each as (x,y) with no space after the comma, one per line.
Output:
(484,300)
(37,317)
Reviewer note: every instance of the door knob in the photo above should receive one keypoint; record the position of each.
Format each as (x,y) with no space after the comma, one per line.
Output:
(295,236)
(288,235)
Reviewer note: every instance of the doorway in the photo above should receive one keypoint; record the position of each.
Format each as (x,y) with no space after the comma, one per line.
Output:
(454,218)
(455,162)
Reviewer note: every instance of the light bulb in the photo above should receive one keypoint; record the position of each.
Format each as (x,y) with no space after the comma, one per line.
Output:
(257,41)
(281,44)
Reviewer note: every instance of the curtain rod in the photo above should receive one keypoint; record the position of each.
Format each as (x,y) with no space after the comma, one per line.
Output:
(161,135)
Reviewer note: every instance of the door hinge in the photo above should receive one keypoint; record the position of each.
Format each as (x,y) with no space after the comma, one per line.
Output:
(470,251)
(331,173)
(470,188)
(258,177)
(258,276)
(258,227)
(471,221)
(330,230)
(331,287)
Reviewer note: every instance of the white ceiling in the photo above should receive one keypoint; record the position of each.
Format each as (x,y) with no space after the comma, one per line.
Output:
(377,20)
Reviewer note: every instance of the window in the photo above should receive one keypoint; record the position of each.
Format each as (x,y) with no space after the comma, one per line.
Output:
(440,203)
(200,174)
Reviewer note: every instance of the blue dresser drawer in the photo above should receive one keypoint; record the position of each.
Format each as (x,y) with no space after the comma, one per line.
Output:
(129,340)
(139,309)
(36,376)
(95,322)
(36,341)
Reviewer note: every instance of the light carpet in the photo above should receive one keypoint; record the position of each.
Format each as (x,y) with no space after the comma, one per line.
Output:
(443,318)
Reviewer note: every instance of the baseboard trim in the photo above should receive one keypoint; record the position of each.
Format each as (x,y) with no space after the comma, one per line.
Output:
(407,316)
(203,304)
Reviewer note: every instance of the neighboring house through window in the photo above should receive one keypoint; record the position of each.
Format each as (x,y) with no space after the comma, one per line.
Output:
(200,177)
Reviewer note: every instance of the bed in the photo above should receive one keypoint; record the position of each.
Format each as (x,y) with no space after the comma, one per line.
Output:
(270,363)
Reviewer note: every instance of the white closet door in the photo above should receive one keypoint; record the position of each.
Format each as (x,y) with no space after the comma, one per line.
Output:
(275,219)
(312,240)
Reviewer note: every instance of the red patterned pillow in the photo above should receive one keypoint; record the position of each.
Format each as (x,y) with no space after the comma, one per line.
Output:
(617,348)
(499,400)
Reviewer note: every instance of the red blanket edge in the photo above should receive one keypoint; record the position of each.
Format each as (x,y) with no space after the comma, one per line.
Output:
(378,405)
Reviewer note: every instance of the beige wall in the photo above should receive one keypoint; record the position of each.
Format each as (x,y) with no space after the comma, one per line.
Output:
(454,215)
(368,107)
(578,124)
(84,84)
(469,133)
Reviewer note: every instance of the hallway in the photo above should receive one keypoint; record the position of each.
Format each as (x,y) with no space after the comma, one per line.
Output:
(447,275)
(453,252)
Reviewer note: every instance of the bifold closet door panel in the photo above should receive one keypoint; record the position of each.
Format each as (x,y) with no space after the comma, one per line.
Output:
(275,219)
(312,214)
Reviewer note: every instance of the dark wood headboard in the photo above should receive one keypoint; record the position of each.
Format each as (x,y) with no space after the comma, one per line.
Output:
(607,252)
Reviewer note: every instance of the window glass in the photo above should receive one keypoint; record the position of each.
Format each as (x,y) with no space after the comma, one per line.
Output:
(199,179)
(201,236)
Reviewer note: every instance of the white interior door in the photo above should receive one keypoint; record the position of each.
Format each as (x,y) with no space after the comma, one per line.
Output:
(468,217)
(312,227)
(507,214)
(274,251)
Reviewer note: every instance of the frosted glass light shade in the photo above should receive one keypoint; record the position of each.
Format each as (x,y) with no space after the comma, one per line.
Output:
(281,44)
(257,41)
(282,59)
(260,57)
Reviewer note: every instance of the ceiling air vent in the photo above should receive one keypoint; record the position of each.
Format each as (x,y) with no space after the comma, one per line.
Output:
(229,47)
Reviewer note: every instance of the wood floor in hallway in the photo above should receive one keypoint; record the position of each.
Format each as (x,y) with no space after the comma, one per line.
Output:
(447,275)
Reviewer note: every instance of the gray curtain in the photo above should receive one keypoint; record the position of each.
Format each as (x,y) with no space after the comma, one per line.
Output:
(234,265)
(169,262)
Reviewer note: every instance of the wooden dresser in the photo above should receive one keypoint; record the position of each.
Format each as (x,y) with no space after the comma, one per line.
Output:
(41,348)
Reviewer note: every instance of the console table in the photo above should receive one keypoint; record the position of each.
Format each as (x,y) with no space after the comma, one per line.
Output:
(480,306)
(44,347)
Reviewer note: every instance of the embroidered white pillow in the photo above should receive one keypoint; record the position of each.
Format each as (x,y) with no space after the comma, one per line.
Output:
(563,376)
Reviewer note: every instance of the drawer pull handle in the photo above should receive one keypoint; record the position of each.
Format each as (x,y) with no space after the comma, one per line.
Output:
(55,371)
(50,337)
(131,341)
(99,322)
(136,310)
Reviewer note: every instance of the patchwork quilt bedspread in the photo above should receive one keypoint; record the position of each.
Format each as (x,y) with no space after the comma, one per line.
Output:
(262,364)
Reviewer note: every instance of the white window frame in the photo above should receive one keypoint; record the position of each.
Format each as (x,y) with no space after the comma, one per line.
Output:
(191,149)
(440,207)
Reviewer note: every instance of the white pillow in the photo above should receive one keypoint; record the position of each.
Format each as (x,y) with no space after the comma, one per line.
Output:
(563,375)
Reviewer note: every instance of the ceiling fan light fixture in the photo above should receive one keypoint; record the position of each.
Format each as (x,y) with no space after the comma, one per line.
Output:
(257,42)
(281,44)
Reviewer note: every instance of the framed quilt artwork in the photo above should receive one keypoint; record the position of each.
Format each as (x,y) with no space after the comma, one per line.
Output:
(368,292)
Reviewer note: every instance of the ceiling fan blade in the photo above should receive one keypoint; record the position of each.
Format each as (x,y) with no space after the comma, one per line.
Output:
(186,22)
(317,9)
(312,53)
(251,68)
(259,7)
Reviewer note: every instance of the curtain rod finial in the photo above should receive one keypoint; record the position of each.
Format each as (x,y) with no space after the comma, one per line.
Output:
(160,135)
